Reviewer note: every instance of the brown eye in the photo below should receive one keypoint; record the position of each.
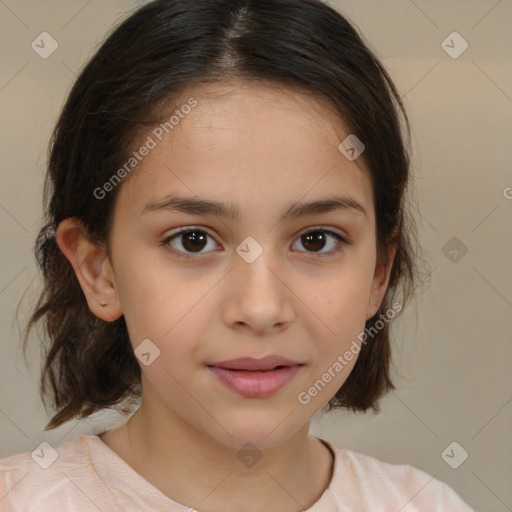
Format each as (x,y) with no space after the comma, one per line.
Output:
(192,241)
(315,240)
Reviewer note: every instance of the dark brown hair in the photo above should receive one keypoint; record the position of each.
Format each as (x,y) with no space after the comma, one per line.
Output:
(154,54)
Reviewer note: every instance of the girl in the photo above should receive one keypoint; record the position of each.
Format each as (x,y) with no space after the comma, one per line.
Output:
(226,236)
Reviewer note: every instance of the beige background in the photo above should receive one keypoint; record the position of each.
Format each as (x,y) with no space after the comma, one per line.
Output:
(454,356)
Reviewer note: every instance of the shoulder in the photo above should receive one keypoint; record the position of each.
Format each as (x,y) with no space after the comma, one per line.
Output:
(48,477)
(383,486)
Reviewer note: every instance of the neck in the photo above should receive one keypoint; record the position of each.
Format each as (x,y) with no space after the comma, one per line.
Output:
(195,470)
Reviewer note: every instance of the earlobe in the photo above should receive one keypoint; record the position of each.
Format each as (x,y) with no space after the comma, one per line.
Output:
(91,267)
(380,282)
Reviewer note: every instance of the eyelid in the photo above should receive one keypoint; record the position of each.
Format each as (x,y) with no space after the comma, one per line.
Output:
(190,227)
(305,231)
(330,229)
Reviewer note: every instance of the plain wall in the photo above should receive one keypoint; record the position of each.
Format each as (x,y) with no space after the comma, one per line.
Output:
(452,346)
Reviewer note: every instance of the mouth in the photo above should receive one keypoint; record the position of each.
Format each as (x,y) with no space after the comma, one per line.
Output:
(254,378)
(258,371)
(268,363)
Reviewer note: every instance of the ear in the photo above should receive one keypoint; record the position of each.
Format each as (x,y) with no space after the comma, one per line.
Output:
(92,268)
(380,282)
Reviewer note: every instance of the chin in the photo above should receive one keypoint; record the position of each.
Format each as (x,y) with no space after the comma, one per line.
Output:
(263,430)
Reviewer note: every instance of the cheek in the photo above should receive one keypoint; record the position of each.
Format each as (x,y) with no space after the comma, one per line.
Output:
(173,363)
(336,341)
(165,317)
(340,315)
(156,297)
(340,304)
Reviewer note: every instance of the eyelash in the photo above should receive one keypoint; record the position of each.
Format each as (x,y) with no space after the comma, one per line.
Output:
(341,241)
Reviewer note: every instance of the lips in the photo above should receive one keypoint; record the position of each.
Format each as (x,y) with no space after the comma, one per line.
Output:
(251,364)
(256,378)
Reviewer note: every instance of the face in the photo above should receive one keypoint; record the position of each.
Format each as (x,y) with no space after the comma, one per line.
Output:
(254,284)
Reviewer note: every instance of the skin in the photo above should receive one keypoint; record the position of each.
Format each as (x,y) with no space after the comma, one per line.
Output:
(263,148)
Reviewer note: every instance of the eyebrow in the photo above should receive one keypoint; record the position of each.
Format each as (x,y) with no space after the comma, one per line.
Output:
(204,207)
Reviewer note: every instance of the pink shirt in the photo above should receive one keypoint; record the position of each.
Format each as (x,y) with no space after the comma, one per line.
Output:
(88,476)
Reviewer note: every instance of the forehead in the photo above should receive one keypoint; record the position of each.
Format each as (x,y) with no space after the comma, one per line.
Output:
(245,143)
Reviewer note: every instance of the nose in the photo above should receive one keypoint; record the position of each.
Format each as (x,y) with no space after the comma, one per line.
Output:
(259,299)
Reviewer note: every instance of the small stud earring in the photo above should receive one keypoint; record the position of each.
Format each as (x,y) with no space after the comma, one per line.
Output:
(103,303)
